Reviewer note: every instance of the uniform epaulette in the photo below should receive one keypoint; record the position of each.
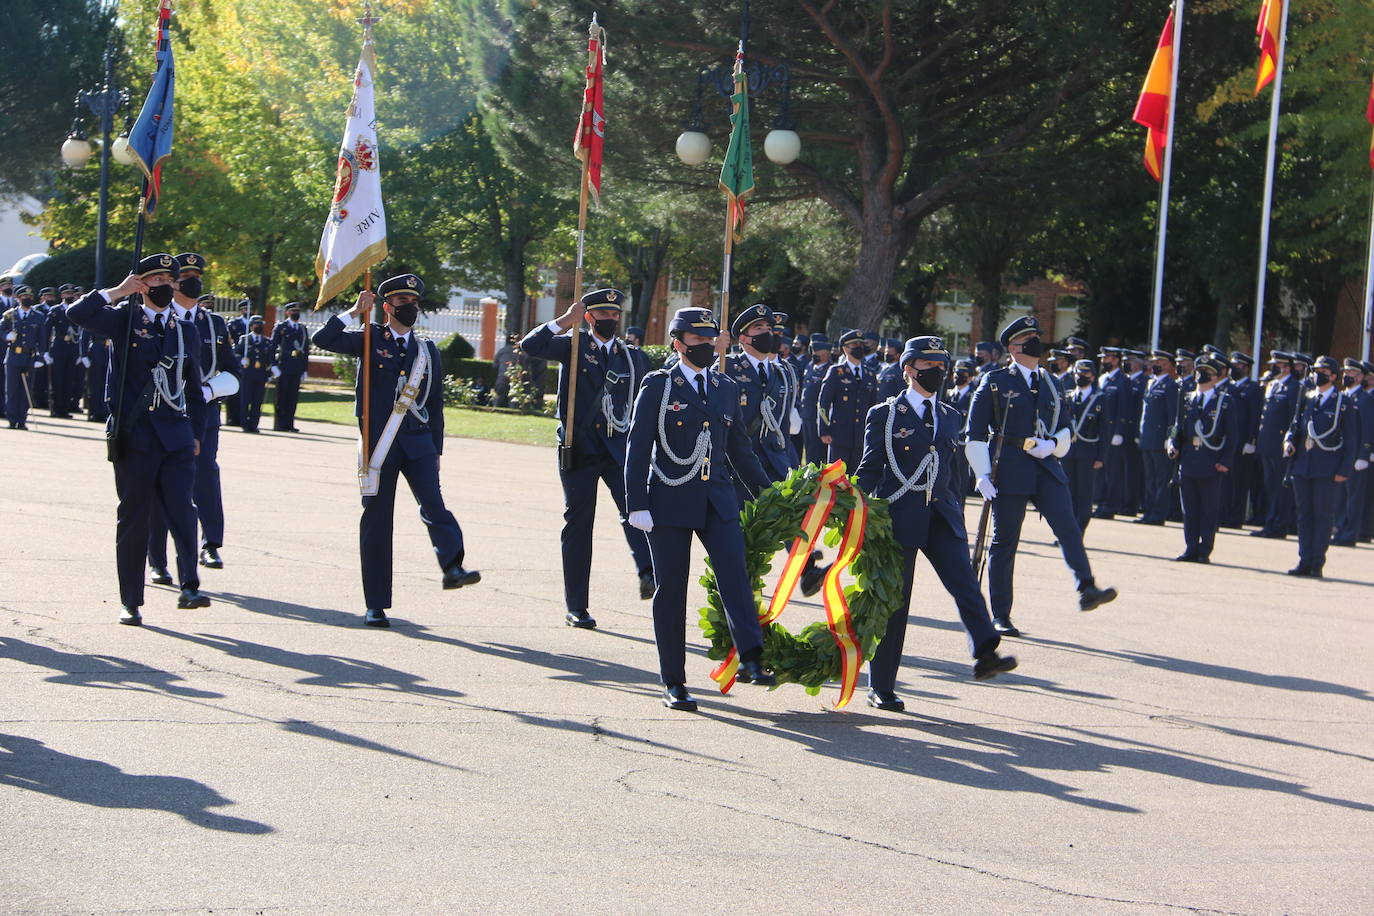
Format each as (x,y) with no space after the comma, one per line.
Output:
(10,312)
(656,372)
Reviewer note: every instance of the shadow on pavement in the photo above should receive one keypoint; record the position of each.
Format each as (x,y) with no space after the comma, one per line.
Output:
(26,763)
(105,671)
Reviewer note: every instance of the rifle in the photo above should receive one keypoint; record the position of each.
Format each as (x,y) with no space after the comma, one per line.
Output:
(980,553)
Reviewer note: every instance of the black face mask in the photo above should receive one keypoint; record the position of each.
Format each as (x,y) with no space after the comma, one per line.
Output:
(961,378)
(1156,369)
(1237,373)
(191,286)
(407,314)
(26,302)
(1084,381)
(255,328)
(870,348)
(931,379)
(699,356)
(764,343)
(1033,346)
(1351,381)
(1322,378)
(293,316)
(1106,366)
(161,296)
(1205,376)
(606,327)
(855,353)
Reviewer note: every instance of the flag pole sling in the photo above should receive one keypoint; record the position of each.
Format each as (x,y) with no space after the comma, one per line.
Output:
(1269,192)
(565,451)
(1165,181)
(1368,314)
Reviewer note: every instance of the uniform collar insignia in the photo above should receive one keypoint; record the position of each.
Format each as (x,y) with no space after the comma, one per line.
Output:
(714,381)
(679,380)
(901,408)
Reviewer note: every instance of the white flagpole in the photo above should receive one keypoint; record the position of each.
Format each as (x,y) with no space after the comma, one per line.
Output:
(1165,178)
(1368,326)
(1269,193)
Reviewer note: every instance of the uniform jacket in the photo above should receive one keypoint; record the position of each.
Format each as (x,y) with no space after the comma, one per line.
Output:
(1017,470)
(891,382)
(1326,436)
(779,397)
(911,444)
(417,437)
(60,336)
(1159,412)
(237,328)
(1253,396)
(619,375)
(843,402)
(290,348)
(28,335)
(216,350)
(1209,435)
(1282,399)
(811,389)
(1114,388)
(1092,417)
(174,429)
(255,353)
(682,419)
(1133,403)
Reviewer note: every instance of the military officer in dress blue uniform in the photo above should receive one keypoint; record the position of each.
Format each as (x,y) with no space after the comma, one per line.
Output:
(910,441)
(767,394)
(1078,349)
(95,356)
(238,327)
(1021,403)
(1111,482)
(959,395)
(1205,442)
(608,375)
(1282,402)
(634,337)
(290,365)
(1060,366)
(255,356)
(406,414)
(1367,405)
(60,353)
(686,430)
(848,390)
(38,379)
(871,358)
(161,422)
(1324,443)
(1158,414)
(1091,417)
(988,354)
(817,364)
(21,328)
(1351,501)
(1134,391)
(1246,497)
(7,302)
(1185,363)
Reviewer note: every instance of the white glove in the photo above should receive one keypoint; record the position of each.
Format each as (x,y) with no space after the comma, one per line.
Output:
(642,519)
(38,364)
(1248,448)
(206,393)
(276,372)
(1042,448)
(1361,464)
(305,374)
(985,488)
(1170,449)
(1118,439)
(47,358)
(85,361)
(12,335)
(794,424)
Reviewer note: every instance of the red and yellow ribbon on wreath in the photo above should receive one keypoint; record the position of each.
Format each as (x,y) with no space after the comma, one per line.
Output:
(833,479)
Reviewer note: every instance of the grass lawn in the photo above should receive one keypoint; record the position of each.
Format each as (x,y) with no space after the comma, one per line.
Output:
(337,407)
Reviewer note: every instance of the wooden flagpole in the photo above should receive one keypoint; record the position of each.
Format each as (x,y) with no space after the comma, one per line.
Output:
(1268,205)
(365,367)
(726,269)
(565,451)
(1166,178)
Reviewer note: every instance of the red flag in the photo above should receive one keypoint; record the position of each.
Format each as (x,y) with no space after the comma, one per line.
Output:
(590,137)
(1270,21)
(1152,110)
(1369,116)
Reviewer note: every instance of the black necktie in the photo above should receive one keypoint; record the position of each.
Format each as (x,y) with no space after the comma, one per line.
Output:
(701,384)
(763,375)
(927,417)
(157,324)
(401,346)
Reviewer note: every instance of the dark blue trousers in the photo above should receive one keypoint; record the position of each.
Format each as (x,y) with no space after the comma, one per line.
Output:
(1201,497)
(288,393)
(1316,504)
(1350,514)
(375,527)
(1159,473)
(209,504)
(1134,490)
(949,556)
(1111,481)
(1082,478)
(1278,516)
(672,552)
(96,409)
(147,480)
(63,369)
(252,389)
(16,398)
(811,436)
(848,452)
(579,516)
(1008,512)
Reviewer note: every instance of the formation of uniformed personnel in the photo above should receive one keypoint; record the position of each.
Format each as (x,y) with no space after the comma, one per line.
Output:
(61,347)
(1244,496)
(1324,443)
(290,365)
(608,375)
(405,437)
(848,389)
(1350,509)
(1092,418)
(959,396)
(1158,414)
(1282,401)
(21,328)
(1021,405)
(1205,441)
(910,441)
(157,422)
(1111,482)
(238,327)
(686,434)
(254,351)
(811,377)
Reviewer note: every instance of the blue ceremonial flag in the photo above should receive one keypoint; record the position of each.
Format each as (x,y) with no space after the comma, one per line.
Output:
(150,139)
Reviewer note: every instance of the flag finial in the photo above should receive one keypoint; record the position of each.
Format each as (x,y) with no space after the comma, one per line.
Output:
(368,21)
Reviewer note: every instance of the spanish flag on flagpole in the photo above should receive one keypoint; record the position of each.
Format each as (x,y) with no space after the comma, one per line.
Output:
(1152,110)
(1270,22)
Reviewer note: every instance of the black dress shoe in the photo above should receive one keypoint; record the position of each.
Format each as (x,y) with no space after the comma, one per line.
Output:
(1143,520)
(160,575)
(675,696)
(455,576)
(813,576)
(1005,627)
(1260,533)
(751,672)
(376,617)
(646,586)
(1186,558)
(580,619)
(1299,571)
(1101,513)
(885,699)
(1093,597)
(1342,543)
(192,598)
(130,617)
(991,665)
(209,558)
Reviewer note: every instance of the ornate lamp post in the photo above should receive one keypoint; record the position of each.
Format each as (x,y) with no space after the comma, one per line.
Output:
(104,103)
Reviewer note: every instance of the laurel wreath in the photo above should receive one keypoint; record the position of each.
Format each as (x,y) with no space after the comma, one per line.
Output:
(771,522)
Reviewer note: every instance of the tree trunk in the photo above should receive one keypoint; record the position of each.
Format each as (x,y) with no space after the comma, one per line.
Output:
(1221,331)
(987,299)
(265,274)
(513,260)
(865,298)
(820,310)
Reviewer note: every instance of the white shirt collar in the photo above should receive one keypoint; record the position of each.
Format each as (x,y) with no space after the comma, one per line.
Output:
(1025,373)
(151,314)
(689,373)
(185,314)
(915,398)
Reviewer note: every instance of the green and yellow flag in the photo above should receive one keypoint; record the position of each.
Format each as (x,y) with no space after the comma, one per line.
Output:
(737,175)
